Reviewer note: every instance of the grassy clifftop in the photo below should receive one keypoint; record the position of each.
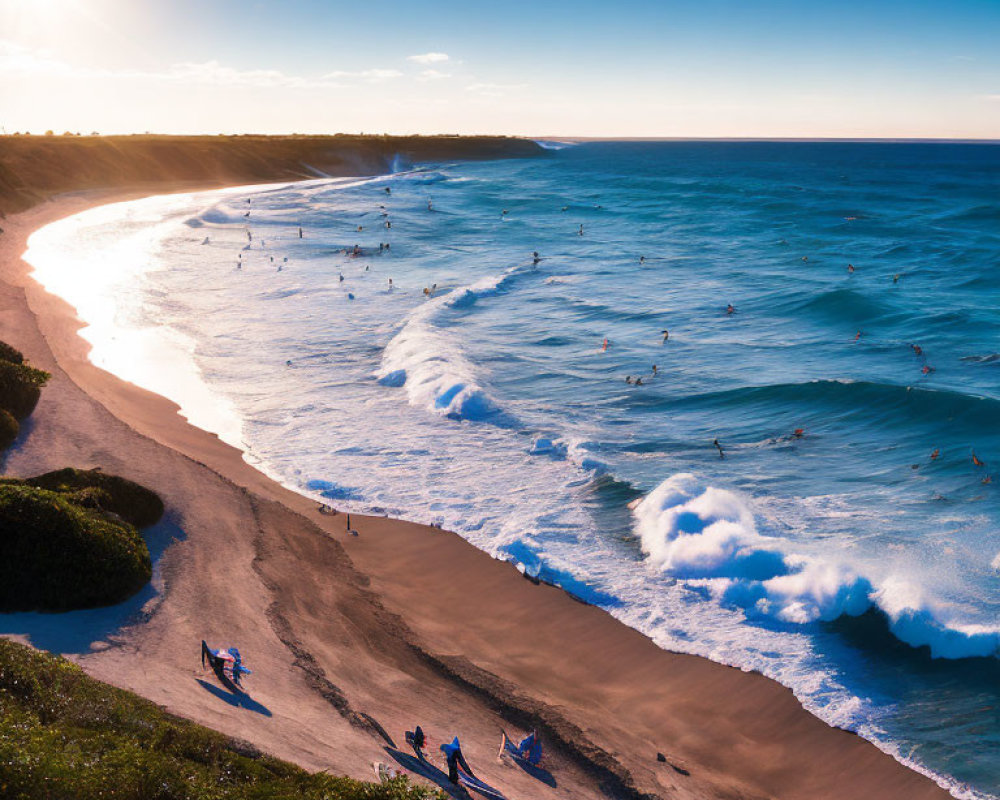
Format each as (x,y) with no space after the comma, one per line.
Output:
(32,168)
(64,735)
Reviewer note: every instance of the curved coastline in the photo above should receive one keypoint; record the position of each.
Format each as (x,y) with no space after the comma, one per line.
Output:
(597,687)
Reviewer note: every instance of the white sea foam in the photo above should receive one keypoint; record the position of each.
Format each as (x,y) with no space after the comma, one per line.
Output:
(427,360)
(693,531)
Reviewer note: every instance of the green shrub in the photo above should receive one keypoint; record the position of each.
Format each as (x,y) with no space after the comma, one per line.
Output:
(65,735)
(55,555)
(8,353)
(130,501)
(20,387)
(8,429)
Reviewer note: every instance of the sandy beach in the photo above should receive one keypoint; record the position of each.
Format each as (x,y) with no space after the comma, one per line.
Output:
(354,640)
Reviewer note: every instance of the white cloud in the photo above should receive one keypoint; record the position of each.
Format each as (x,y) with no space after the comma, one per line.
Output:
(366,74)
(494,89)
(212,72)
(433,75)
(19,60)
(429,58)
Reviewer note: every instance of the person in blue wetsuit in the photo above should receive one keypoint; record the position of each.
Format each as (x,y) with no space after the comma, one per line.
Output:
(453,755)
(530,748)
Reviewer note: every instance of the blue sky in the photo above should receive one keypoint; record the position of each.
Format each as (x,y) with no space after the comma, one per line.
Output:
(708,68)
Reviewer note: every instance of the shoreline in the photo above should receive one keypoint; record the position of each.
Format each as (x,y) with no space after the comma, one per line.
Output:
(592,678)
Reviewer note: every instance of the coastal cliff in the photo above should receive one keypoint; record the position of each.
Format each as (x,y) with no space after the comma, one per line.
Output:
(33,168)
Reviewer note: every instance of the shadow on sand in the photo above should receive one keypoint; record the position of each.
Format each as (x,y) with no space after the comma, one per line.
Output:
(533,770)
(76,632)
(425,769)
(235,697)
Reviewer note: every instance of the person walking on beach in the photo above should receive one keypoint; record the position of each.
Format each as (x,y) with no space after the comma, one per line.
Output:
(454,758)
(719,448)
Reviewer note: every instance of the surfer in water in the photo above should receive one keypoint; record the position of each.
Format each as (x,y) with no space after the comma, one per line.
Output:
(535,258)
(850,269)
(719,448)
(642,260)
(730,310)
(580,232)
(604,347)
(977,461)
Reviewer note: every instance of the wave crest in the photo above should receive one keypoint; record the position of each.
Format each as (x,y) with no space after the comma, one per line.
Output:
(698,532)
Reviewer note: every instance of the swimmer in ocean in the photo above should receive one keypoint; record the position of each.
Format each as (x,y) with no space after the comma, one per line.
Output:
(666,335)
(730,310)
(850,268)
(535,258)
(977,461)
(580,232)
(642,260)
(719,448)
(604,347)
(935,454)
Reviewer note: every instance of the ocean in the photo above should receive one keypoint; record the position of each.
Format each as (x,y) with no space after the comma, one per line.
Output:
(807,485)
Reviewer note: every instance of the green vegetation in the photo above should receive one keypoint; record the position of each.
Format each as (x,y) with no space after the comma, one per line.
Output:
(69,539)
(65,735)
(20,388)
(57,553)
(93,489)
(8,353)
(8,429)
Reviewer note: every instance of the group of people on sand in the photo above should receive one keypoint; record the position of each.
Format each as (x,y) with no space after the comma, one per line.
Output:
(227,664)
(528,751)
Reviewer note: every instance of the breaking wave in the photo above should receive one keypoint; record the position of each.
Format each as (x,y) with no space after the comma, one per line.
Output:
(429,363)
(697,532)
